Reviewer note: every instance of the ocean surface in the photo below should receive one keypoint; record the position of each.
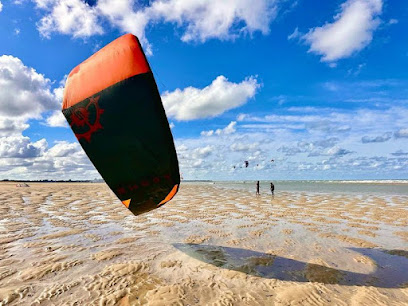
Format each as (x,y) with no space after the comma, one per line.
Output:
(384,187)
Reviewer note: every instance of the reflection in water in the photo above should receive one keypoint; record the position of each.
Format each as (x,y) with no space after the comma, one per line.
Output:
(391,271)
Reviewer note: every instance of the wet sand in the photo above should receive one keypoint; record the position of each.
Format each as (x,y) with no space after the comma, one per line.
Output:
(76,244)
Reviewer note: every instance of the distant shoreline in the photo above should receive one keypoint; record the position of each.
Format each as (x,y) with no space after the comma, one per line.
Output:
(51,181)
(367,181)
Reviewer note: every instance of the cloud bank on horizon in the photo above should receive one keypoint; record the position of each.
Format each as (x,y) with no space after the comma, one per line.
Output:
(228,95)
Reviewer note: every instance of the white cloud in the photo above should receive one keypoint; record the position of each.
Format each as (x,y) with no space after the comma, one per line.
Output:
(351,31)
(399,153)
(221,95)
(21,146)
(244,147)
(12,126)
(200,20)
(241,117)
(63,149)
(393,21)
(22,159)
(1,6)
(229,129)
(72,17)
(295,34)
(383,138)
(402,133)
(122,15)
(24,93)
(337,151)
(207,133)
(202,152)
(56,119)
(207,19)
(59,92)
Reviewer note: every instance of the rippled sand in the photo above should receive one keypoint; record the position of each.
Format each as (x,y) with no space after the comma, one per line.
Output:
(76,244)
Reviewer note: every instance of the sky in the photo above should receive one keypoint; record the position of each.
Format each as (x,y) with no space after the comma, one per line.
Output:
(302,90)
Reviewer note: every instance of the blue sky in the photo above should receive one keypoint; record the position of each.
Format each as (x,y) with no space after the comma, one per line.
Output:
(320,87)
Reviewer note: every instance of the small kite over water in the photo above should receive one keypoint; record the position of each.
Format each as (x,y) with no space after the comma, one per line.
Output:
(113,106)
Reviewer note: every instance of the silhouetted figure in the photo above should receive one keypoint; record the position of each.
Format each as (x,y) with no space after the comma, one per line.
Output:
(257,187)
(272,188)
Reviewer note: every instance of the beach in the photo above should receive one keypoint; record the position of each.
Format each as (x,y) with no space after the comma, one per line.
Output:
(213,244)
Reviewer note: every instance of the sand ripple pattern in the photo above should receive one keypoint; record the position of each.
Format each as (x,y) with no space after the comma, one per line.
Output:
(75,244)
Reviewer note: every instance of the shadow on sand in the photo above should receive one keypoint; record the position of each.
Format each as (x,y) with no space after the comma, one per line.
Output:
(391,266)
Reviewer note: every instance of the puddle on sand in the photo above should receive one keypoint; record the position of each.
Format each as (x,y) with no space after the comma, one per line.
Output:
(390,270)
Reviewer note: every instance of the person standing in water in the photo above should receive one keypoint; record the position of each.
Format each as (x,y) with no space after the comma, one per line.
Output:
(272,188)
(257,187)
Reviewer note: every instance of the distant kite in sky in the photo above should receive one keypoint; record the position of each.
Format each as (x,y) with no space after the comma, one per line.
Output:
(113,106)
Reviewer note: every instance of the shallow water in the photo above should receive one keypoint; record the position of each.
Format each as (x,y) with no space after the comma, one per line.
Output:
(396,187)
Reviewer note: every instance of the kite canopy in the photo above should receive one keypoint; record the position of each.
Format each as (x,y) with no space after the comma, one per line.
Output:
(113,106)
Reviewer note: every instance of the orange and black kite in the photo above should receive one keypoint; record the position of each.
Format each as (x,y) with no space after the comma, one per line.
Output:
(113,106)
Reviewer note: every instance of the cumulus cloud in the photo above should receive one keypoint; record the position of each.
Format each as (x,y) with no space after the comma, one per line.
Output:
(202,152)
(23,159)
(290,150)
(399,153)
(56,119)
(72,17)
(393,21)
(12,126)
(207,133)
(300,153)
(1,6)
(383,138)
(24,93)
(324,143)
(200,20)
(122,15)
(328,127)
(402,133)
(351,31)
(337,151)
(314,148)
(216,19)
(229,129)
(21,146)
(221,95)
(63,149)
(244,147)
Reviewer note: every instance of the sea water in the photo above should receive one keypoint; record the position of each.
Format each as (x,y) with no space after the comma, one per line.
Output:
(385,187)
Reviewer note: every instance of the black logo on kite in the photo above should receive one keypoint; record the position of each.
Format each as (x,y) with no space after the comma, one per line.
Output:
(87,120)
